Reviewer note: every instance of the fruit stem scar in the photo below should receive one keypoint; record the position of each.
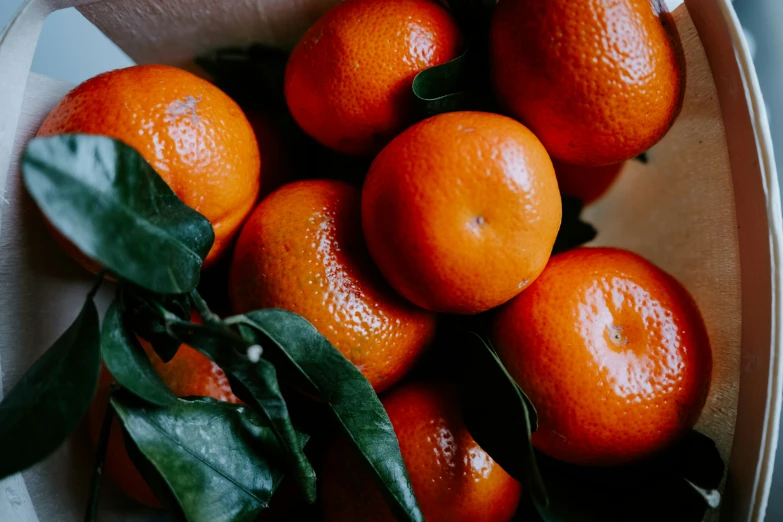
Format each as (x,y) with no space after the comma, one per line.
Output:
(478,222)
(617,336)
(185,107)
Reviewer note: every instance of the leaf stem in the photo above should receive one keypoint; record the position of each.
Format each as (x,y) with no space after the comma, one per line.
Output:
(164,313)
(208,315)
(711,496)
(100,459)
(97,283)
(235,319)
(239,320)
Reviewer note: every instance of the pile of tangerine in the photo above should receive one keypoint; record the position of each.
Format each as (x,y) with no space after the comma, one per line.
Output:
(458,214)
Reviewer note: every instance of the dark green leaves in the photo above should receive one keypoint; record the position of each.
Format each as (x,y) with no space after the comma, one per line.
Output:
(143,311)
(310,362)
(662,489)
(463,84)
(104,197)
(48,403)
(498,414)
(207,453)
(256,384)
(458,85)
(573,231)
(128,363)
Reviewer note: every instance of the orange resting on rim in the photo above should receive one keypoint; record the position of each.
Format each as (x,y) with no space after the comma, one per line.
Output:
(453,479)
(461,211)
(598,81)
(348,81)
(189,373)
(302,250)
(613,353)
(196,137)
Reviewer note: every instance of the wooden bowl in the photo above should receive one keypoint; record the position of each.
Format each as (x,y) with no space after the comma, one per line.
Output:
(705,208)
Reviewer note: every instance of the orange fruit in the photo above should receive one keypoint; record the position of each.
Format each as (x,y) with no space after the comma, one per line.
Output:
(598,81)
(461,210)
(302,250)
(613,353)
(189,373)
(453,479)
(195,136)
(586,183)
(348,81)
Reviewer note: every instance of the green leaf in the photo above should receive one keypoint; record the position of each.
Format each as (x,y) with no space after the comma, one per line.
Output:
(498,414)
(643,158)
(48,403)
(315,366)
(458,85)
(573,231)
(157,482)
(106,199)
(256,384)
(128,363)
(462,84)
(701,466)
(144,313)
(212,456)
(661,489)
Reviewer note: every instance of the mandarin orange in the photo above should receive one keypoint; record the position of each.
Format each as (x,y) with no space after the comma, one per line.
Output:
(461,211)
(598,81)
(302,250)
(613,353)
(348,81)
(195,137)
(453,479)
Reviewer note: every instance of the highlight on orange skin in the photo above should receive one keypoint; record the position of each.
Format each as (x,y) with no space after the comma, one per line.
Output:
(194,136)
(348,81)
(454,480)
(613,353)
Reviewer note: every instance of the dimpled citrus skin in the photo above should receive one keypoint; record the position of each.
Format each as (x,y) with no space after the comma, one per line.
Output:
(598,81)
(189,373)
(348,81)
(453,479)
(302,250)
(461,211)
(613,353)
(194,135)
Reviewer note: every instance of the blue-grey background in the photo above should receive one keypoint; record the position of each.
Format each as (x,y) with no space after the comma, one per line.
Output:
(73,50)
(70,48)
